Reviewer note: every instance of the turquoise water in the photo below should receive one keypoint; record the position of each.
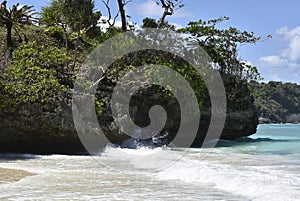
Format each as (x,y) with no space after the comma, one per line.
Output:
(270,139)
(284,139)
(263,167)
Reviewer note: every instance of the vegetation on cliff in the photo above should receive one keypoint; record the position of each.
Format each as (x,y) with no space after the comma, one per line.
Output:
(39,64)
(276,102)
(54,49)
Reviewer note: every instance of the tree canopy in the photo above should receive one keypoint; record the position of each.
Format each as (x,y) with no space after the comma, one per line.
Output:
(66,34)
(276,101)
(222,46)
(15,18)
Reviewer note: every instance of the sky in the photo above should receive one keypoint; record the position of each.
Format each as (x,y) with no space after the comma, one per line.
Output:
(277,59)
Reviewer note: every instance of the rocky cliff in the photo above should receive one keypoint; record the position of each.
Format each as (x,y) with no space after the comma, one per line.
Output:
(45,129)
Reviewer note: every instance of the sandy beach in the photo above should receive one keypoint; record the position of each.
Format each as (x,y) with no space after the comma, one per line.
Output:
(12,175)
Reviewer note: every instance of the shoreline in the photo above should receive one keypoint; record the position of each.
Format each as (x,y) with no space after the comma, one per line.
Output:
(282,123)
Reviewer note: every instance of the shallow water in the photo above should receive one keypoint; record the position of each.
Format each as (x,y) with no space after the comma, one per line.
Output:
(264,167)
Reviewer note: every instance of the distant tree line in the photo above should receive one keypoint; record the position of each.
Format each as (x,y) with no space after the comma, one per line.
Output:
(276,101)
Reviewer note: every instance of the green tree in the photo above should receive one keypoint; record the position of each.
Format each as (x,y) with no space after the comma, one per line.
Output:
(52,15)
(149,23)
(35,75)
(222,46)
(79,14)
(277,101)
(53,18)
(80,17)
(152,23)
(15,18)
(75,17)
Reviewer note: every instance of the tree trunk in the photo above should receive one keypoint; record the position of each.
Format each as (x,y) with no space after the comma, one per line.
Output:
(163,19)
(9,43)
(123,15)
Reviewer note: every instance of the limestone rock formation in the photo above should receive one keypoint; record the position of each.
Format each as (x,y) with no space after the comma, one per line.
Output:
(40,129)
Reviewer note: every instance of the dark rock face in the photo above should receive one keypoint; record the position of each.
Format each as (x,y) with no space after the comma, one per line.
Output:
(51,130)
(242,119)
(30,129)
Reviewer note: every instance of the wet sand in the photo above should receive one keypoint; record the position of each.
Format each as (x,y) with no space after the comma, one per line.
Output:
(12,175)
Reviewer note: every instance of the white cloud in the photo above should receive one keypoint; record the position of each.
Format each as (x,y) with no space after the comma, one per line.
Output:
(280,65)
(148,8)
(284,66)
(274,61)
(294,49)
(182,13)
(292,37)
(284,31)
(151,9)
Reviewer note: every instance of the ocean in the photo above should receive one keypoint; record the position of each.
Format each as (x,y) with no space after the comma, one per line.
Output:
(265,166)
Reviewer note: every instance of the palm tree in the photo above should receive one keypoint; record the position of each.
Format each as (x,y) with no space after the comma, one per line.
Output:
(15,18)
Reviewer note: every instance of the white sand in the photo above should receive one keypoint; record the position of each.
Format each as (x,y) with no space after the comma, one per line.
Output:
(12,175)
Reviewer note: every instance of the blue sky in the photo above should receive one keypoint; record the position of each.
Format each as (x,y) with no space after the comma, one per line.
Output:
(277,58)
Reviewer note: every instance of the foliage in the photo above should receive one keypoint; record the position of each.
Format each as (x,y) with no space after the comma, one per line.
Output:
(15,18)
(74,14)
(222,46)
(155,57)
(56,32)
(79,14)
(149,23)
(52,15)
(35,75)
(75,19)
(276,101)
(39,73)
(152,23)
(99,104)
(53,18)
(109,33)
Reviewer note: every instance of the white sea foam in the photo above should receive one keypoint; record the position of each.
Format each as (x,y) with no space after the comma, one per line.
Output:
(248,170)
(254,182)
(143,158)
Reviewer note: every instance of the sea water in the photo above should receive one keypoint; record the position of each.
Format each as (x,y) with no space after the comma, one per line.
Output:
(265,166)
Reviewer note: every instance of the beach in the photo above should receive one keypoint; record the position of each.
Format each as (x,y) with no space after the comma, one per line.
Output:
(12,175)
